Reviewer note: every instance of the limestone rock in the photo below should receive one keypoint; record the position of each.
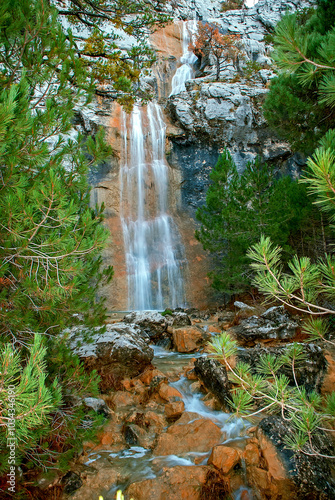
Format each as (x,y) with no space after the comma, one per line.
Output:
(309,373)
(98,405)
(118,352)
(275,323)
(151,322)
(214,377)
(180,319)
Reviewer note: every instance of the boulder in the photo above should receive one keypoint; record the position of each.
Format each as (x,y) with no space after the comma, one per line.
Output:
(224,458)
(151,322)
(180,319)
(275,323)
(295,474)
(188,338)
(174,484)
(169,393)
(117,351)
(98,405)
(174,409)
(242,306)
(214,377)
(189,433)
(309,373)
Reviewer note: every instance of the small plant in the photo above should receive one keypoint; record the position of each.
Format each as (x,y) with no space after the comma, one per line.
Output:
(251,68)
(167,312)
(232,5)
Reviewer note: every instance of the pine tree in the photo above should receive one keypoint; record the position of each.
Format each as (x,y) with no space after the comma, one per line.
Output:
(238,209)
(116,72)
(50,237)
(299,105)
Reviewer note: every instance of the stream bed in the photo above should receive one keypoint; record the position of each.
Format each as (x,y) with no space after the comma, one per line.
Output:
(135,463)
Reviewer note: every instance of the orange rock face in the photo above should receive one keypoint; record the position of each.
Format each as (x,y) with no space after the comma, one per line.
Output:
(176,483)
(175,409)
(251,454)
(182,437)
(168,40)
(187,339)
(224,458)
(168,393)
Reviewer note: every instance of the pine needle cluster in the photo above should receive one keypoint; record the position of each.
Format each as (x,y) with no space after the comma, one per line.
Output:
(264,390)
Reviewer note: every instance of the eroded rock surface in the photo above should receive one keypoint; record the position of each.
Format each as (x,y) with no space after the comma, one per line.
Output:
(309,476)
(214,377)
(119,350)
(275,323)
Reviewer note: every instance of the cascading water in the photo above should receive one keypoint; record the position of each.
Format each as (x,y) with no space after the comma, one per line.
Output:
(185,71)
(154,253)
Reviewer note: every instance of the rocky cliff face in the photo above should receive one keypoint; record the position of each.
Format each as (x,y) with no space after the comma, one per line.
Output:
(202,120)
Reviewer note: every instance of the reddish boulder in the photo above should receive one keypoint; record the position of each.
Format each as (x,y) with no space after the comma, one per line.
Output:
(224,458)
(169,393)
(188,338)
(189,433)
(174,409)
(176,483)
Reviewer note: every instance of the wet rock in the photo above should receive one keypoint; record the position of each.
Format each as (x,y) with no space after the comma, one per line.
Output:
(116,352)
(102,480)
(169,393)
(136,435)
(189,433)
(309,373)
(71,482)
(214,377)
(174,410)
(309,476)
(251,455)
(224,458)
(174,484)
(180,319)
(275,323)
(98,405)
(188,339)
(152,323)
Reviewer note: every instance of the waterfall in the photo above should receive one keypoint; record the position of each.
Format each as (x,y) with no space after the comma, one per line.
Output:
(154,252)
(185,71)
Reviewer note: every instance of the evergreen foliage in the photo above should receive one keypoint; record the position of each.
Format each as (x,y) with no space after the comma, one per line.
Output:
(265,389)
(116,72)
(299,105)
(50,237)
(239,208)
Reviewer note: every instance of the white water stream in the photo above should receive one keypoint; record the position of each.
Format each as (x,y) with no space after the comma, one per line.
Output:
(154,252)
(185,71)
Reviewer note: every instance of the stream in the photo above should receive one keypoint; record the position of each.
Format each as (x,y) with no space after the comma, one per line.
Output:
(136,463)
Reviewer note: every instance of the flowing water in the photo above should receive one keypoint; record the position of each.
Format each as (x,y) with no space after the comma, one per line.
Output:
(137,463)
(185,70)
(154,252)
